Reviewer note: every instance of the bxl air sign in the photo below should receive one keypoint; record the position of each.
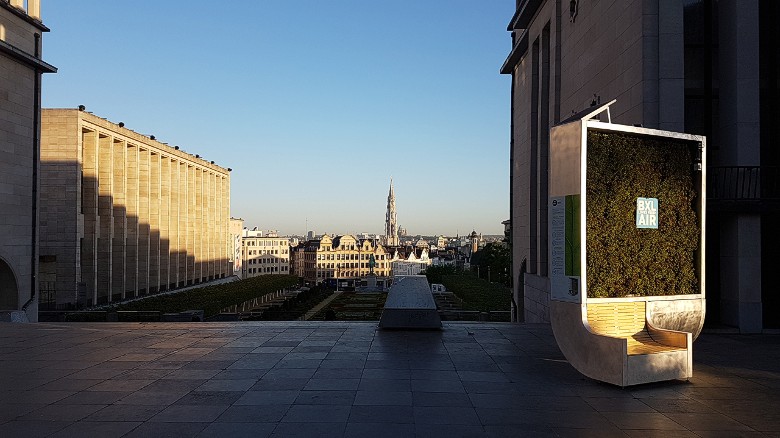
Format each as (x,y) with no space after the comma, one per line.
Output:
(647,213)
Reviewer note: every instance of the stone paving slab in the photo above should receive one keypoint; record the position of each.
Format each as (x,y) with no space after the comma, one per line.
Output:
(332,379)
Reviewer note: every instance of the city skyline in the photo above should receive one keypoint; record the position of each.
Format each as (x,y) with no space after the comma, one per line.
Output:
(314,106)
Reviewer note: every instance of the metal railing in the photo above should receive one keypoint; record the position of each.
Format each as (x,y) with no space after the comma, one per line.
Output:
(743,183)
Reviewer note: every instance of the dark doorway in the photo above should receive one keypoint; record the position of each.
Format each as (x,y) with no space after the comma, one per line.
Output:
(9,292)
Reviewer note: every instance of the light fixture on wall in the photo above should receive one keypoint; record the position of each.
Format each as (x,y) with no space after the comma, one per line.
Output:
(574,6)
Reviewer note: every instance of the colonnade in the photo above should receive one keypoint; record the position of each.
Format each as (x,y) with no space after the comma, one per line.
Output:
(153,220)
(33,7)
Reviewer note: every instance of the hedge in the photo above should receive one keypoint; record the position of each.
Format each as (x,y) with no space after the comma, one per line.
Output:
(212,299)
(622,259)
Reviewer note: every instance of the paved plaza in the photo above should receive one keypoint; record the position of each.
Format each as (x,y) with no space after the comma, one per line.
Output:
(349,379)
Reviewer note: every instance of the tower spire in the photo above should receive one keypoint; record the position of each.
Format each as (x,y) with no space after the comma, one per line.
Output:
(391,220)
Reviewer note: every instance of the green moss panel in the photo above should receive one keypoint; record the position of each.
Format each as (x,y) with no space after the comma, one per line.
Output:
(621,258)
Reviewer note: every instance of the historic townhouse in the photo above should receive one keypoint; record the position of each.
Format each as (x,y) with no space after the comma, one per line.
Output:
(343,258)
(264,255)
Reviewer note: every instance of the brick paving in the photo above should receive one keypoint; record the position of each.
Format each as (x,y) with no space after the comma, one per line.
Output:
(329,379)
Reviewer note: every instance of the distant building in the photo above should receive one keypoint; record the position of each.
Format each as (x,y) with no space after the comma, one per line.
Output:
(264,255)
(298,259)
(342,258)
(410,260)
(475,241)
(20,111)
(235,246)
(123,215)
(391,220)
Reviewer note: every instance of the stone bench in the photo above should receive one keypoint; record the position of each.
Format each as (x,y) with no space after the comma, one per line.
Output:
(410,305)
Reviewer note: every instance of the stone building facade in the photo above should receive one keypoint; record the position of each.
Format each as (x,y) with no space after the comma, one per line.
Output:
(342,258)
(696,66)
(236,258)
(264,255)
(21,67)
(123,215)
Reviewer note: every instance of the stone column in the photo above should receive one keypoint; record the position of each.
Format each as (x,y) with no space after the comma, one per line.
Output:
(175,249)
(216,253)
(209,224)
(119,237)
(740,234)
(105,213)
(199,229)
(183,210)
(165,220)
(671,66)
(131,263)
(143,221)
(89,207)
(154,222)
(34,8)
(190,220)
(226,215)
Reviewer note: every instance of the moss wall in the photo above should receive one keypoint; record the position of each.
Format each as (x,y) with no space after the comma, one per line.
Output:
(622,259)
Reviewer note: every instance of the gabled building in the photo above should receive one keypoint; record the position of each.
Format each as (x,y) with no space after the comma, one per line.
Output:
(342,258)
(410,260)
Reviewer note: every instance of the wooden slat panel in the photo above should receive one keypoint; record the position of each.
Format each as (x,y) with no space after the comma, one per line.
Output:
(625,320)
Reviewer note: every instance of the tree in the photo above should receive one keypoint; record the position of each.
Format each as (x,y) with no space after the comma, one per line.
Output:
(494,262)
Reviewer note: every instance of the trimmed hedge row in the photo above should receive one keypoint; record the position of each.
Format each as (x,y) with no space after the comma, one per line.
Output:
(478,294)
(212,299)
(355,306)
(622,259)
(294,307)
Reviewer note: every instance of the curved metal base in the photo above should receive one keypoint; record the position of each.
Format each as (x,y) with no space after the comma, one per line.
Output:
(606,358)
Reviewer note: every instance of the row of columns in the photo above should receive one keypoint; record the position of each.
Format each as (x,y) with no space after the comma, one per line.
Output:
(33,7)
(152,221)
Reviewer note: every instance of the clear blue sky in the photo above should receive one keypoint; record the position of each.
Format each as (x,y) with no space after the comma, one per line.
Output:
(315,105)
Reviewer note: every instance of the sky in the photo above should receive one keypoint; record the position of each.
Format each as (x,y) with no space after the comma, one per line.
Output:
(314,105)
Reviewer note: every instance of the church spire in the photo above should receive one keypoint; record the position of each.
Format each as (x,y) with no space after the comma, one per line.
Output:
(391,221)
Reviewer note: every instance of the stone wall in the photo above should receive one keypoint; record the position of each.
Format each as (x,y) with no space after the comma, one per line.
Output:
(19,103)
(537,299)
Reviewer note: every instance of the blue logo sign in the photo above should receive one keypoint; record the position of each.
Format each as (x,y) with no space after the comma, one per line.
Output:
(647,213)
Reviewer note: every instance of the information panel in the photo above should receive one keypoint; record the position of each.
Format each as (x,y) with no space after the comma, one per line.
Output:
(565,248)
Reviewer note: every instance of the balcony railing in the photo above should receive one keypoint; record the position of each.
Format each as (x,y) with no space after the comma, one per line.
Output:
(744,187)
